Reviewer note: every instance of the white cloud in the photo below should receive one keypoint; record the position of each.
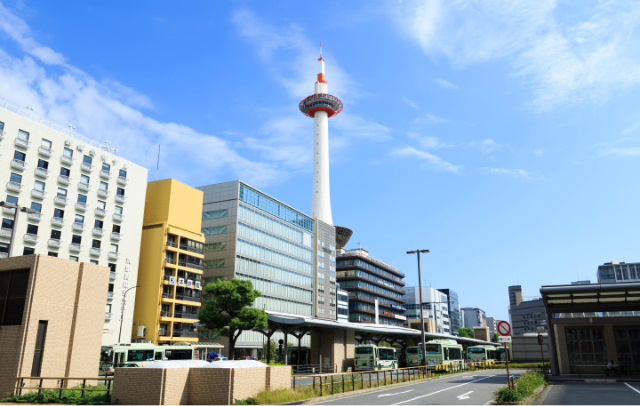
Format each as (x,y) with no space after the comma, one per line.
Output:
(538,152)
(429,141)
(624,152)
(519,173)
(411,103)
(631,129)
(446,84)
(433,161)
(430,119)
(487,146)
(568,56)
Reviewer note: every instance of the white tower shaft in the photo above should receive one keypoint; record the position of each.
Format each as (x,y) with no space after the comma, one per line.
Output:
(321,202)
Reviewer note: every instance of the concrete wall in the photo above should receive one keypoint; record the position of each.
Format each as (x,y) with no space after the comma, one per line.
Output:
(525,348)
(481,333)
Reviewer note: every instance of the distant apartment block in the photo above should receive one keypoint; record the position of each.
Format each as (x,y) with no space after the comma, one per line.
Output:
(455,316)
(616,272)
(434,306)
(492,324)
(474,317)
(527,316)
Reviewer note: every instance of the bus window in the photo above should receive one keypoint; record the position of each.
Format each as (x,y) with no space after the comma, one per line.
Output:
(180,354)
(387,354)
(432,348)
(412,350)
(364,350)
(140,355)
(158,356)
(106,354)
(454,353)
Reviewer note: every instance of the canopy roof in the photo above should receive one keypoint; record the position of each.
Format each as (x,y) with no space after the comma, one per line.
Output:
(607,297)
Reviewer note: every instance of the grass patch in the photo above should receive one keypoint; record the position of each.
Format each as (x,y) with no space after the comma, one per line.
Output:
(71,397)
(528,365)
(526,385)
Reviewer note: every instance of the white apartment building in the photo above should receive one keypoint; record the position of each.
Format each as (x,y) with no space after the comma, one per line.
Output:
(474,317)
(76,199)
(434,306)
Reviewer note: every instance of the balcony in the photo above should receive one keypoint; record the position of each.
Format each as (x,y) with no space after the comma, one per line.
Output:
(34,216)
(98,231)
(38,194)
(41,172)
(9,211)
(166,314)
(84,186)
(78,226)
(20,143)
(177,333)
(107,316)
(188,298)
(65,180)
(117,217)
(5,232)
(113,275)
(109,295)
(14,186)
(61,200)
(44,151)
(75,247)
(105,174)
(86,167)
(164,333)
(57,221)
(103,193)
(116,236)
(100,212)
(167,295)
(30,238)
(120,198)
(190,265)
(4,254)
(54,243)
(167,277)
(81,206)
(191,249)
(123,181)
(190,316)
(66,160)
(95,251)
(113,255)
(170,260)
(18,164)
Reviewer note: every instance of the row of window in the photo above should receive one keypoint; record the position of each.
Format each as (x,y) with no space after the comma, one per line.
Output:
(283,305)
(265,203)
(261,220)
(272,272)
(366,275)
(264,238)
(366,265)
(213,263)
(215,246)
(368,286)
(279,289)
(214,230)
(366,295)
(619,272)
(206,215)
(266,254)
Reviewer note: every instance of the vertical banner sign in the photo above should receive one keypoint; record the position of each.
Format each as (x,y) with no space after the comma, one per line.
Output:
(377,321)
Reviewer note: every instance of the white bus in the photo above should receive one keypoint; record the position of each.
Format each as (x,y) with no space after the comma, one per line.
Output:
(370,357)
(139,355)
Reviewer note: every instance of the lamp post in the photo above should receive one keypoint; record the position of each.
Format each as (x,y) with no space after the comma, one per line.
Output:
(424,350)
(122,314)
(15,221)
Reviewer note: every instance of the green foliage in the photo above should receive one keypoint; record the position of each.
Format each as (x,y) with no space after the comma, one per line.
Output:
(526,385)
(494,337)
(465,332)
(69,397)
(231,310)
(271,350)
(506,395)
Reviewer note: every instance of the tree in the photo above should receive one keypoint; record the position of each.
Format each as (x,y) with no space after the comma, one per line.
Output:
(231,310)
(465,332)
(494,337)
(269,347)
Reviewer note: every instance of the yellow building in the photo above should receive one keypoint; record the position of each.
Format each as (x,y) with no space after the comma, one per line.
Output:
(170,273)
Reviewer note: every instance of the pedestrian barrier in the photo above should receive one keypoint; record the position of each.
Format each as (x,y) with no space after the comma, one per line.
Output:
(20,385)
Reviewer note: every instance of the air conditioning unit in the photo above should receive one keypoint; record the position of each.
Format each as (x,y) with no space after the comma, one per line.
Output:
(142,331)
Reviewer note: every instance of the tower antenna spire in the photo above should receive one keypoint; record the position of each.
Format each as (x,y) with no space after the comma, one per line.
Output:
(320,49)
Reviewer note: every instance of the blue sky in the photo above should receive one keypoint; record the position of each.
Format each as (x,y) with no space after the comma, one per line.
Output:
(502,135)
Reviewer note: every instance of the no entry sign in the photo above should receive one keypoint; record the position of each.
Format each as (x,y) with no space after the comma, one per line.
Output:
(504,328)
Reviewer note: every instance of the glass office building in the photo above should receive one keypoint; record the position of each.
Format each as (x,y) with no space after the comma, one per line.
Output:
(616,272)
(455,316)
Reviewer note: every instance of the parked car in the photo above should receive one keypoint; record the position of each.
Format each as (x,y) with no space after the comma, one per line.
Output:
(249,357)
(221,359)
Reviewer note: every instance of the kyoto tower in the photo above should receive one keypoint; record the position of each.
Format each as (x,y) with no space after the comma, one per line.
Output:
(321,106)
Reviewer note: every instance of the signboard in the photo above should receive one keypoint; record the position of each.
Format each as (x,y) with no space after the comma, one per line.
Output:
(504,339)
(198,285)
(172,280)
(180,281)
(540,329)
(189,283)
(504,328)
(540,339)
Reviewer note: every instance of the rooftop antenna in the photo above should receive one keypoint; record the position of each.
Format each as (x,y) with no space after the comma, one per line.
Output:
(158,164)
(320,49)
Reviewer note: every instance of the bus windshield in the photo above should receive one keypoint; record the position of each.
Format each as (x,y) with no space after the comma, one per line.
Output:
(106,354)
(179,354)
(364,350)
(476,350)
(140,355)
(432,348)
(412,350)
(387,354)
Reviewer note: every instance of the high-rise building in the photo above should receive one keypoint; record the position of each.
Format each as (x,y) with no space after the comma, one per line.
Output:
(170,271)
(288,256)
(455,316)
(343,304)
(492,324)
(527,316)
(435,306)
(70,197)
(616,272)
(376,293)
(515,295)
(474,317)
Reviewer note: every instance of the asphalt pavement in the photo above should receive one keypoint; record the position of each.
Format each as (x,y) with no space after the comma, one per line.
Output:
(580,393)
(462,389)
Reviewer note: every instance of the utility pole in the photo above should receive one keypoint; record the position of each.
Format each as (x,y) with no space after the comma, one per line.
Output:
(122,313)
(424,350)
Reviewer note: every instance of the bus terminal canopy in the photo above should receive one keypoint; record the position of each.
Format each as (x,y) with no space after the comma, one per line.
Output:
(608,297)
(292,320)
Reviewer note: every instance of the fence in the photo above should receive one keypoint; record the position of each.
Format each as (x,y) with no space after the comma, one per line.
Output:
(20,385)
(316,369)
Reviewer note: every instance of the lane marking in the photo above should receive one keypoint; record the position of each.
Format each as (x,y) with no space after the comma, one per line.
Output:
(393,394)
(632,387)
(464,396)
(433,393)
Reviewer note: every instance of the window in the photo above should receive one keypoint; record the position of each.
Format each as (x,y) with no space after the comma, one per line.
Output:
(82,198)
(7,223)
(13,294)
(36,206)
(116,228)
(67,152)
(122,174)
(75,259)
(20,156)
(102,205)
(58,213)
(39,185)
(52,254)
(65,172)
(112,267)
(62,192)
(586,346)
(98,224)
(213,263)
(120,191)
(87,159)
(216,246)
(84,179)
(114,248)
(23,135)
(43,164)
(45,143)
(15,178)
(79,219)
(12,199)
(32,229)
(95,262)
(76,239)
(1,126)
(55,234)
(106,167)
(104,186)
(28,251)
(214,230)
(95,244)
(118,210)
(214,214)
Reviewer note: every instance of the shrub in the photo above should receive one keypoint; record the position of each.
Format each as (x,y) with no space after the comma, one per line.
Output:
(526,385)
(68,397)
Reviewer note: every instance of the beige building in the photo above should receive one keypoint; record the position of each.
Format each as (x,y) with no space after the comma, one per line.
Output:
(51,317)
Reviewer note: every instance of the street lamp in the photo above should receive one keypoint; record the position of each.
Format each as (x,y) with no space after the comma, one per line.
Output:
(424,349)
(122,314)
(15,221)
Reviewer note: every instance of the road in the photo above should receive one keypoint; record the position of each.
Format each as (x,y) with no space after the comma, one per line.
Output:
(463,389)
(580,393)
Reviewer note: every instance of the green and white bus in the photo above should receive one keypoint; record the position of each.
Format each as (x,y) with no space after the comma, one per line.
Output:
(482,353)
(439,352)
(139,355)
(369,357)
(500,354)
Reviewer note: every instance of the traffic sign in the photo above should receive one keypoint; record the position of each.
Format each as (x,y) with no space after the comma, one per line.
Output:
(505,339)
(504,328)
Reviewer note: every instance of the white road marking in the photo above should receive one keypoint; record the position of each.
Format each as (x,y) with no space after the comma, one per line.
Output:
(464,395)
(453,387)
(393,394)
(632,387)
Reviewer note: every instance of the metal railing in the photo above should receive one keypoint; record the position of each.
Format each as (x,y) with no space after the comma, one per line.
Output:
(21,385)
(317,369)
